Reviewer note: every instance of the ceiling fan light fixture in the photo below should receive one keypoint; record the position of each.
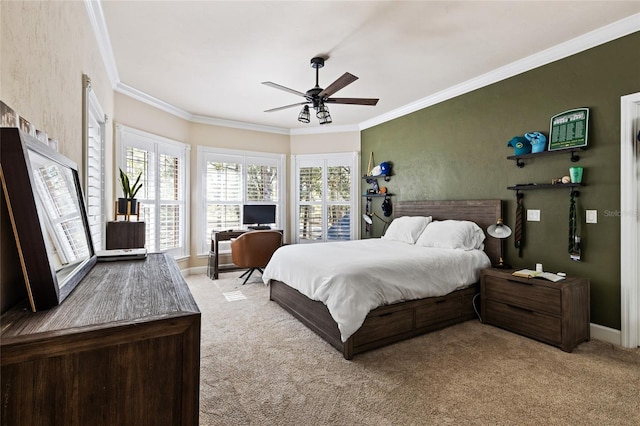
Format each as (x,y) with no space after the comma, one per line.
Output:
(323,114)
(304,116)
(317,96)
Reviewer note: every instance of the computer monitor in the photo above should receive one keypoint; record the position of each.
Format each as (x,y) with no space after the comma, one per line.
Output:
(258,215)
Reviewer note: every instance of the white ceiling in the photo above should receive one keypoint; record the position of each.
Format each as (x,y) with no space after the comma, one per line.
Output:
(207,59)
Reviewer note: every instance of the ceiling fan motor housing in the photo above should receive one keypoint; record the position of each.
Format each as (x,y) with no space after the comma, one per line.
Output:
(317,62)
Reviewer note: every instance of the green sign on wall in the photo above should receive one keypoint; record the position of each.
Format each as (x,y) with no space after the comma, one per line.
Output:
(569,129)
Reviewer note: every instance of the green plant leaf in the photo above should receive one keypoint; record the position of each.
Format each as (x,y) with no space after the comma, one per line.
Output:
(128,190)
(136,187)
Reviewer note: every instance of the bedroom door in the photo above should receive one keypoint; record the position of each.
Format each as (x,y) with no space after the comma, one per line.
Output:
(630,219)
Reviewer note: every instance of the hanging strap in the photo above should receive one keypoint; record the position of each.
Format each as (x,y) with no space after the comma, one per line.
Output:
(519,229)
(573,247)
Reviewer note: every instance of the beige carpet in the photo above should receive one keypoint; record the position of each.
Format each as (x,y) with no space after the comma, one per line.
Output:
(262,367)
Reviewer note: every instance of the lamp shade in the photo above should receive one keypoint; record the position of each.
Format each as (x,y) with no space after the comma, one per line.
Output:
(499,230)
(304,117)
(367,218)
(323,114)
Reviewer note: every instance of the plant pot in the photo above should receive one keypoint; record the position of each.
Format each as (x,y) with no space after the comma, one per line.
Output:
(123,205)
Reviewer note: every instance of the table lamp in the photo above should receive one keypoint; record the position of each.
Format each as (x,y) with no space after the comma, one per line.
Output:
(500,231)
(369,219)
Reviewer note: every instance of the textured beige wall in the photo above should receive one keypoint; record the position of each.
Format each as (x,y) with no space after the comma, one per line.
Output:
(325,143)
(45,48)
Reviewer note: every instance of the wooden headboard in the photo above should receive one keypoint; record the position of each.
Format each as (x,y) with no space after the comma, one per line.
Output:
(482,212)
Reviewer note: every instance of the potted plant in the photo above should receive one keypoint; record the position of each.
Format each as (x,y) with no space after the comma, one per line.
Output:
(129,191)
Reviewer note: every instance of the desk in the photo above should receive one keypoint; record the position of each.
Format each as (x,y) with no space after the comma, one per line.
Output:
(223,236)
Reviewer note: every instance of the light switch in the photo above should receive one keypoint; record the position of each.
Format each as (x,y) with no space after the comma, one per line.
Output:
(533,215)
(591,216)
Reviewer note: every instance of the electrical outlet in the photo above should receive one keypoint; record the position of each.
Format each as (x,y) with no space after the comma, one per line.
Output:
(533,215)
(591,216)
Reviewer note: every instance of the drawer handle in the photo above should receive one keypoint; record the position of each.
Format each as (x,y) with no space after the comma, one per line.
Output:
(519,282)
(387,314)
(518,308)
(441,301)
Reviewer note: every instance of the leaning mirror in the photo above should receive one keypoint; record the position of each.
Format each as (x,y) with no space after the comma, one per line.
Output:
(48,217)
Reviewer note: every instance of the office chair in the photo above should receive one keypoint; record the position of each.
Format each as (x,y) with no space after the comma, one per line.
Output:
(254,249)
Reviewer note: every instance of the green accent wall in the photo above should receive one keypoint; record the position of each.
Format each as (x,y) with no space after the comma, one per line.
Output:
(457,149)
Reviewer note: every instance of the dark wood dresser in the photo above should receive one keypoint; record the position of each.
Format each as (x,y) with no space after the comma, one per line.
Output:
(554,313)
(122,349)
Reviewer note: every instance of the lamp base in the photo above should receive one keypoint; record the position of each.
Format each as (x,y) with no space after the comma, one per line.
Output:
(501,266)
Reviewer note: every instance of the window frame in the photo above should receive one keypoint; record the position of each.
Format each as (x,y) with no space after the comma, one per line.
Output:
(92,111)
(350,159)
(206,154)
(159,145)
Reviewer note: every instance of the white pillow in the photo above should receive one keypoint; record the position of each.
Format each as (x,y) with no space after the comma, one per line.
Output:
(452,234)
(406,229)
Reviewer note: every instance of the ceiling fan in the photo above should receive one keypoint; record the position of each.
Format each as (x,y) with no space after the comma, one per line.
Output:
(318,97)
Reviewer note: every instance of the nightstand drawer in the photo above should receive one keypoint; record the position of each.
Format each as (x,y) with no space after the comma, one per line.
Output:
(534,324)
(526,295)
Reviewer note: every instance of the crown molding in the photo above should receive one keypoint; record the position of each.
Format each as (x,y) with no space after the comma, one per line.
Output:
(239,125)
(579,44)
(96,19)
(144,97)
(141,96)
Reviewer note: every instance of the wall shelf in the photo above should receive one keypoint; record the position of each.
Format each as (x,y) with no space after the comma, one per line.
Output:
(544,186)
(520,163)
(534,186)
(386,178)
(387,194)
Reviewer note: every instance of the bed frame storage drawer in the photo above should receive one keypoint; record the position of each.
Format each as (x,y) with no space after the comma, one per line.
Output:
(438,309)
(554,313)
(384,325)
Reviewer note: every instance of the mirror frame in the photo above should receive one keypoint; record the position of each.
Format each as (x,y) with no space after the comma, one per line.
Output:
(43,288)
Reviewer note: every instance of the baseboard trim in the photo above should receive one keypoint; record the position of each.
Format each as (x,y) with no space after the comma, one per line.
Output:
(197,270)
(606,334)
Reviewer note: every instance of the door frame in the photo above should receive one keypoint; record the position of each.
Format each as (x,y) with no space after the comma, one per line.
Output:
(629,274)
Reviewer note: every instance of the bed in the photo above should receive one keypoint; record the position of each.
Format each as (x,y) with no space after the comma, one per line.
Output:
(392,322)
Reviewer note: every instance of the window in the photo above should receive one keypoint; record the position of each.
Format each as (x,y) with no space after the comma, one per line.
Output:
(164,196)
(232,179)
(325,187)
(94,121)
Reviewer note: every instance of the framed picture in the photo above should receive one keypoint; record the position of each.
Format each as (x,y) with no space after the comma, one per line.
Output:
(8,117)
(48,217)
(569,129)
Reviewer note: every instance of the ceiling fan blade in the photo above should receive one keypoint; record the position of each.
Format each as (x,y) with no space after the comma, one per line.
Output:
(353,101)
(286,89)
(341,82)
(286,106)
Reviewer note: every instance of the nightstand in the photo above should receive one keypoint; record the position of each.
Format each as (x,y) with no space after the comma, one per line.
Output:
(554,313)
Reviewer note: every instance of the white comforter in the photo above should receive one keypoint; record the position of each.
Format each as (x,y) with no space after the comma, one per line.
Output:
(355,277)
